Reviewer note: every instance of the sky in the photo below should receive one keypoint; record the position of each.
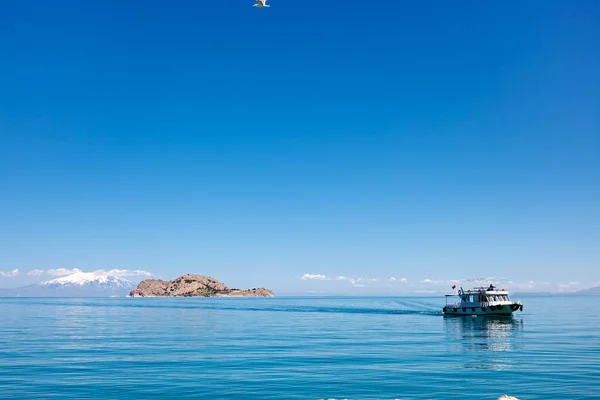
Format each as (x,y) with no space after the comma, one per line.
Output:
(307,148)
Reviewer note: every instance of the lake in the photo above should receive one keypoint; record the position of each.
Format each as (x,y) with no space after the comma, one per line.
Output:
(295,348)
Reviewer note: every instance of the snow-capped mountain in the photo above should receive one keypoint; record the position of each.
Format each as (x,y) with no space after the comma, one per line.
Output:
(80,284)
(89,279)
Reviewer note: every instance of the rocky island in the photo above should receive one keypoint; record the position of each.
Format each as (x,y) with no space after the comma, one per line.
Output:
(191,285)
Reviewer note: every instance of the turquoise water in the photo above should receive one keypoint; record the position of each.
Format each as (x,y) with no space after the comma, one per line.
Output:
(295,348)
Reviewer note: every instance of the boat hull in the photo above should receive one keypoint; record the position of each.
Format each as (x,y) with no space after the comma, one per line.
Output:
(493,310)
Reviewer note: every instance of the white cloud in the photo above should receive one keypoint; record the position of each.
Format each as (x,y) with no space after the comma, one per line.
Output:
(485,279)
(480,281)
(313,277)
(440,281)
(367,280)
(65,272)
(123,272)
(565,287)
(434,285)
(356,282)
(54,272)
(530,285)
(10,274)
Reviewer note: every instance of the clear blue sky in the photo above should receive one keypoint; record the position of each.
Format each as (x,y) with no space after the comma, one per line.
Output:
(420,140)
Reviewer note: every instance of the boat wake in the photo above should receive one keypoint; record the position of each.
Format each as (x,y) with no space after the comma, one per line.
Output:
(388,307)
(343,310)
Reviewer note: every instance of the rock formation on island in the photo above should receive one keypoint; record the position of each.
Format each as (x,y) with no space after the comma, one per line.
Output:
(193,285)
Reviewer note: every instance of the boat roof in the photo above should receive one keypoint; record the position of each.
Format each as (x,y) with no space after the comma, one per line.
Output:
(486,290)
(489,289)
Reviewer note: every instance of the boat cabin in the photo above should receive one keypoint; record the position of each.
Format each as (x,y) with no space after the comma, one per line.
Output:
(482,297)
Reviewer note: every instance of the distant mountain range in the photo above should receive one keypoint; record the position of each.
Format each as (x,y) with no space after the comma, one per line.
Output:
(595,291)
(81,284)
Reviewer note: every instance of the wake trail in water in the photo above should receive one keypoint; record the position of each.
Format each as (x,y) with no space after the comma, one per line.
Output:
(396,307)
(298,309)
(341,310)
(417,304)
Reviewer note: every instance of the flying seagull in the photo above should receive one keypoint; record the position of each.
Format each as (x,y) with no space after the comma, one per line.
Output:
(261,3)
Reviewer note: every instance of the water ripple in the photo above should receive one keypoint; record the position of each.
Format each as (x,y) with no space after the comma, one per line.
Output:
(294,348)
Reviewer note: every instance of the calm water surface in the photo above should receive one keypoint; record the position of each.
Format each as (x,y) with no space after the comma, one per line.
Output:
(295,348)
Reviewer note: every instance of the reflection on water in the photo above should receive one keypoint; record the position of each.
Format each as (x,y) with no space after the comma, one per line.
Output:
(491,335)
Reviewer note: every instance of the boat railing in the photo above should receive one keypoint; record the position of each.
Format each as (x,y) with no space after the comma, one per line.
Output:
(470,304)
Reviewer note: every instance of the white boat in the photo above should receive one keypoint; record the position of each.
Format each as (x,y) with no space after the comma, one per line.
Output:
(481,301)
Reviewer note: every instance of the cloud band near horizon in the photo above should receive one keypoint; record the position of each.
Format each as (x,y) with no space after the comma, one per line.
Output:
(429,285)
(66,272)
